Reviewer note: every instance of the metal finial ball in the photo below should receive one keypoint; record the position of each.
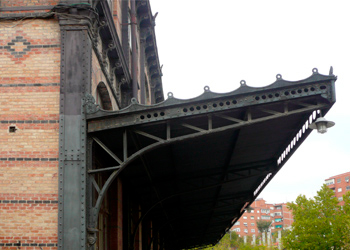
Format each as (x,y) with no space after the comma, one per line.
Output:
(278,76)
(243,82)
(206,88)
(170,94)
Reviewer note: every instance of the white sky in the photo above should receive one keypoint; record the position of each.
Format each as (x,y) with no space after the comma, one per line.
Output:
(218,43)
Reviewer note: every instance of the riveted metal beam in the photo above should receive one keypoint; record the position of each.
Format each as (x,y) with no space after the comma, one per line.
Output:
(210,103)
(75,79)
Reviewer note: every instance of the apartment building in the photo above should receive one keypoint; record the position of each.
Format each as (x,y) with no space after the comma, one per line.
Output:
(339,184)
(280,216)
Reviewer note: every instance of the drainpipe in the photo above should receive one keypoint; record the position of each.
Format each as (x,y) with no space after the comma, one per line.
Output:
(142,71)
(134,50)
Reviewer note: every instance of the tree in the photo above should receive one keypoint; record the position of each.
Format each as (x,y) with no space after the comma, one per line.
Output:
(319,223)
(263,225)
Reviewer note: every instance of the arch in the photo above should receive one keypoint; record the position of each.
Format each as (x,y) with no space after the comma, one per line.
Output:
(102,96)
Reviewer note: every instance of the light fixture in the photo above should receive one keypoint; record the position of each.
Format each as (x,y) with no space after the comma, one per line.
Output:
(321,124)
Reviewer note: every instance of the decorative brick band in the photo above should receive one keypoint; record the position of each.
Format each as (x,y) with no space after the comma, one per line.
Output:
(29,154)
(28,159)
(19,244)
(30,85)
(27,14)
(29,201)
(20,46)
(29,121)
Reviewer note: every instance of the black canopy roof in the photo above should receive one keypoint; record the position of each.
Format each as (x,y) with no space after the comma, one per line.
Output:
(195,165)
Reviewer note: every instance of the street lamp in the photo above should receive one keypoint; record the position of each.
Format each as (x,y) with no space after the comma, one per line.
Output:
(321,124)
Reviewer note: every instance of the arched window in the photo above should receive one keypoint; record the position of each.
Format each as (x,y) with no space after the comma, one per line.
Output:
(102,97)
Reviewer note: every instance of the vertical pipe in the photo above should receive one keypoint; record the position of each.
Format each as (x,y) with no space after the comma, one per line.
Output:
(142,71)
(134,50)
(125,145)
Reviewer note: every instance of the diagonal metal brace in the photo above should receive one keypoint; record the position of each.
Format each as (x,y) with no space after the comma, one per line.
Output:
(107,150)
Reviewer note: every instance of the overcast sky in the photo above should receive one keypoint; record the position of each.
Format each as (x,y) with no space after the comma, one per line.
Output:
(218,43)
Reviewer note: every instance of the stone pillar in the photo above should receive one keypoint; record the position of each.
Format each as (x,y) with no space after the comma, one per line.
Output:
(245,239)
(269,238)
(279,239)
(253,241)
(263,238)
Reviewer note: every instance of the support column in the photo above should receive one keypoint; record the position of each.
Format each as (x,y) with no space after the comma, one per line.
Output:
(279,239)
(263,238)
(75,81)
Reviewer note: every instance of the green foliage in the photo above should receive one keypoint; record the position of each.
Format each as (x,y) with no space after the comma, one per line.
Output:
(249,247)
(319,223)
(229,241)
(234,242)
(263,225)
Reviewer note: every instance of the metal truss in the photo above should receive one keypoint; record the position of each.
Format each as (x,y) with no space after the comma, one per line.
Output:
(176,121)
(234,123)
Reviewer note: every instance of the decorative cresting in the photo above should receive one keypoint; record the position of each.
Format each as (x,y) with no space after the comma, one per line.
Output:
(217,113)
(210,102)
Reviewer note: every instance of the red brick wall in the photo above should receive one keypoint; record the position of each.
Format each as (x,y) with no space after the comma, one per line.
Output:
(117,17)
(98,76)
(29,101)
(287,217)
(255,214)
(18,3)
(340,186)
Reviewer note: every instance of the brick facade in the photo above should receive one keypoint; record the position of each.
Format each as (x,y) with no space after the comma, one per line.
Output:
(280,216)
(33,92)
(26,3)
(340,184)
(29,103)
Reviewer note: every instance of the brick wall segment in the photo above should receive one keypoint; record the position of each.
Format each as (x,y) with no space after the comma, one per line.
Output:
(30,51)
(29,140)
(39,177)
(29,100)
(27,197)
(28,155)
(117,17)
(340,186)
(98,76)
(34,103)
(25,3)
(37,223)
